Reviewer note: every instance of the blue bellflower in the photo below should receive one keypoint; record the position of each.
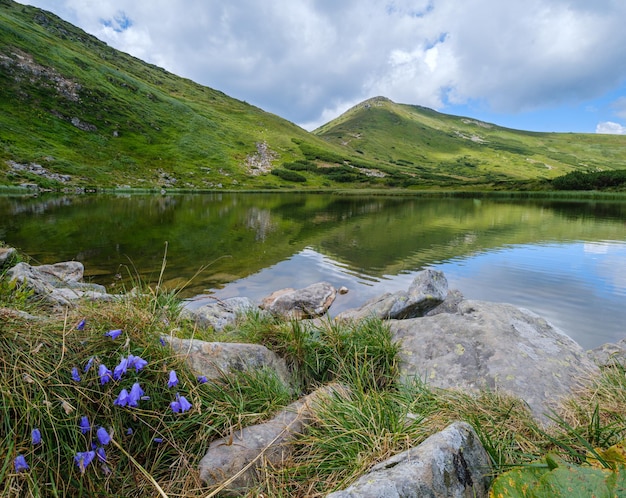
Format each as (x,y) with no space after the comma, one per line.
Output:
(20,464)
(180,405)
(88,365)
(173,380)
(84,424)
(122,398)
(83,459)
(137,362)
(81,325)
(105,374)
(202,379)
(35,436)
(136,392)
(113,334)
(75,374)
(120,369)
(103,436)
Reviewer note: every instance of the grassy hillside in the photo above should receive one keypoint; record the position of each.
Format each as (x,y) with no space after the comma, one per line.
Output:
(451,149)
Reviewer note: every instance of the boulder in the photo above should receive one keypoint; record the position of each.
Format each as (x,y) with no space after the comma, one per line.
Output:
(219,314)
(609,354)
(7,255)
(233,462)
(493,346)
(59,284)
(451,463)
(428,289)
(309,302)
(214,359)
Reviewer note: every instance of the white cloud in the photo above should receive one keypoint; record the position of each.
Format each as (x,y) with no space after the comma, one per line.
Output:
(610,128)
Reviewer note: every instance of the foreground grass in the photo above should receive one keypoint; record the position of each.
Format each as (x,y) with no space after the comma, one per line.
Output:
(155,451)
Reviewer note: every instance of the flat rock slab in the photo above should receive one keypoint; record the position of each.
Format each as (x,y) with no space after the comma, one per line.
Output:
(219,314)
(451,463)
(493,346)
(309,302)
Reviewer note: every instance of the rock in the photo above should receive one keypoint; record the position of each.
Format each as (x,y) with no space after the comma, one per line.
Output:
(310,302)
(449,305)
(609,354)
(214,359)
(451,463)
(428,289)
(7,256)
(219,314)
(233,462)
(59,284)
(493,346)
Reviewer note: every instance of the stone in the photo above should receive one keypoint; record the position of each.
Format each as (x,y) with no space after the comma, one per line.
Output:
(233,462)
(449,464)
(609,354)
(214,359)
(309,302)
(428,289)
(493,346)
(7,256)
(59,284)
(219,314)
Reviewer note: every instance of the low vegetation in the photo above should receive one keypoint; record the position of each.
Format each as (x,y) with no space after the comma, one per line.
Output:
(94,403)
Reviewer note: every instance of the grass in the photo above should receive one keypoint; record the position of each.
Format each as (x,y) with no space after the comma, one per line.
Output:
(373,418)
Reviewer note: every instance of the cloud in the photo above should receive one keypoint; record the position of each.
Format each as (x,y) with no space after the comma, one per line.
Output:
(610,128)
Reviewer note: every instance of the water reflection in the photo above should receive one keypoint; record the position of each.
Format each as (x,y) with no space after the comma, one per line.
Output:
(564,260)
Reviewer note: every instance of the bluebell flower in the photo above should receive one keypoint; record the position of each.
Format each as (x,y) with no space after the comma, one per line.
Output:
(202,379)
(158,440)
(20,464)
(35,436)
(88,365)
(129,431)
(173,380)
(113,334)
(120,369)
(75,374)
(81,325)
(122,398)
(136,392)
(101,454)
(83,459)
(84,424)
(180,405)
(137,362)
(105,374)
(103,436)
(162,341)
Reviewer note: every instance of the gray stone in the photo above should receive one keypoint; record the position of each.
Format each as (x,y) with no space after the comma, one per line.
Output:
(214,359)
(309,302)
(7,255)
(219,314)
(428,289)
(234,462)
(493,346)
(59,284)
(609,354)
(449,464)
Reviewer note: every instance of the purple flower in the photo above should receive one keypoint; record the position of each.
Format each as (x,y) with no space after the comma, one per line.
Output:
(84,424)
(35,436)
(20,464)
(105,374)
(137,362)
(114,334)
(202,379)
(173,381)
(136,392)
(75,374)
(83,459)
(120,369)
(103,436)
(88,365)
(162,341)
(101,454)
(122,398)
(129,431)
(158,440)
(181,404)
(81,325)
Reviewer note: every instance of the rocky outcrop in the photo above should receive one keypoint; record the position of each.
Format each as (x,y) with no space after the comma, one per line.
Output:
(218,314)
(309,302)
(233,463)
(449,464)
(493,346)
(428,290)
(58,284)
(214,359)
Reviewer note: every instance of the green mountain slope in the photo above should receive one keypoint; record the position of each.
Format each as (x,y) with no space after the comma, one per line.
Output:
(452,149)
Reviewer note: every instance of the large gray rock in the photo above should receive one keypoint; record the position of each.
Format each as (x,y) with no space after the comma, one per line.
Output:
(214,359)
(493,346)
(449,464)
(234,462)
(428,289)
(59,284)
(309,302)
(219,314)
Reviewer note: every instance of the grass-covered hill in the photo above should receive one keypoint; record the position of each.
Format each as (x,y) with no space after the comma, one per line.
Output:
(75,112)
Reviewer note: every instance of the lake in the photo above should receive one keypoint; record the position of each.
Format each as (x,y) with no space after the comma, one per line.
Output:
(563,259)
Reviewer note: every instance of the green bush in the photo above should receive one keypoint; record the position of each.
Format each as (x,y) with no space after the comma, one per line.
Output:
(577,180)
(290,176)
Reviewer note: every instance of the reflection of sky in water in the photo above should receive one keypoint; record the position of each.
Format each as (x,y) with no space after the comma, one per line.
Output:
(579,287)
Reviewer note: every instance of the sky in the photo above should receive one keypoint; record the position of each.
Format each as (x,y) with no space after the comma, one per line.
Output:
(539,65)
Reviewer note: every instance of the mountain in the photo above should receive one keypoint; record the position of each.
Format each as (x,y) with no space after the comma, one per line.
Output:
(75,112)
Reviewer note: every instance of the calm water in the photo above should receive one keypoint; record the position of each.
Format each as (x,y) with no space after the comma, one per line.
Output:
(565,260)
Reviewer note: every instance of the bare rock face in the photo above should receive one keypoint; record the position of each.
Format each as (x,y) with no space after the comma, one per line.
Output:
(451,463)
(309,302)
(428,289)
(233,462)
(493,346)
(214,359)
(219,314)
